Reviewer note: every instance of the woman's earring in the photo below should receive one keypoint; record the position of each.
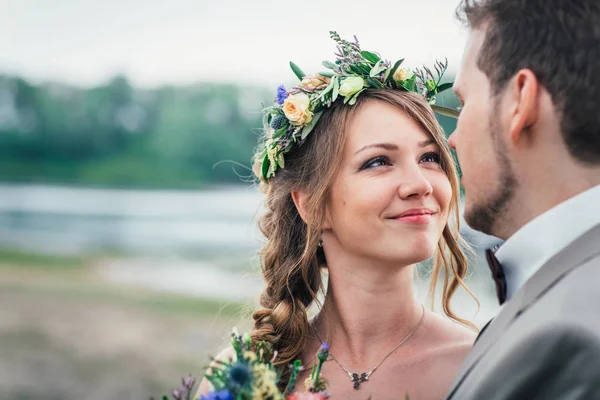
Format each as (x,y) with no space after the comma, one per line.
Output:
(320,244)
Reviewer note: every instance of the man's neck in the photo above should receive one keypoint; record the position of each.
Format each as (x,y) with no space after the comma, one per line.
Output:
(533,199)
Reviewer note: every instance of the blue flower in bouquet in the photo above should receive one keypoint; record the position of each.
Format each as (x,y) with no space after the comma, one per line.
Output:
(220,395)
(282,94)
(240,374)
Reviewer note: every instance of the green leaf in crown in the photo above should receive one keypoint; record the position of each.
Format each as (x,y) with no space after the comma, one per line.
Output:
(296,112)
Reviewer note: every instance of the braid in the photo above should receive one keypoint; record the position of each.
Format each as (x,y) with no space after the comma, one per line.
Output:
(292,274)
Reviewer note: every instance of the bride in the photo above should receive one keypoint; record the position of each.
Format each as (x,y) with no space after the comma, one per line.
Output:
(361,197)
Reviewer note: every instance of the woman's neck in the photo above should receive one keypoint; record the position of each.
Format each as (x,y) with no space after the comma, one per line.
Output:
(367,311)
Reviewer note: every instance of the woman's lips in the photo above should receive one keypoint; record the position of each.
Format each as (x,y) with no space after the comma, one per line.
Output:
(416,219)
(417,216)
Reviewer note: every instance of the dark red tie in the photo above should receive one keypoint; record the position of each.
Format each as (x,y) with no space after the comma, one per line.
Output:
(497,274)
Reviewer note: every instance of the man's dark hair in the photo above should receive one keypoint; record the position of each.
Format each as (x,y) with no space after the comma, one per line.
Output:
(559,40)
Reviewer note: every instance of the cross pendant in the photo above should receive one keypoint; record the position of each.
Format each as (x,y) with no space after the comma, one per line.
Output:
(358,379)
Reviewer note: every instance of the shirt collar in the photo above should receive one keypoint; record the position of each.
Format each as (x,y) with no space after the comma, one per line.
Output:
(524,253)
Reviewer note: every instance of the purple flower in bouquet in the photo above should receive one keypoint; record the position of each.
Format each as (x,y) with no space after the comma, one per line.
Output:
(220,395)
(323,352)
(178,394)
(282,94)
(188,382)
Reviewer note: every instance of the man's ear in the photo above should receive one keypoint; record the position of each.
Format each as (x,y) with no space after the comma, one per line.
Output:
(524,101)
(300,199)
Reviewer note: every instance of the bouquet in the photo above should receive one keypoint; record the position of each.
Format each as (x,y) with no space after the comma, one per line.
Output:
(251,375)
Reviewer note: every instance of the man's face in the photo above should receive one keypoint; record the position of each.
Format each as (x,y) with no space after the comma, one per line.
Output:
(487,176)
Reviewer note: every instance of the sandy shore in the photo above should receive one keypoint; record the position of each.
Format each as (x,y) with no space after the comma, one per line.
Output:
(66,334)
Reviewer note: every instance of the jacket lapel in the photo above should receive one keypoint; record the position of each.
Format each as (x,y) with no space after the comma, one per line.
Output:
(586,247)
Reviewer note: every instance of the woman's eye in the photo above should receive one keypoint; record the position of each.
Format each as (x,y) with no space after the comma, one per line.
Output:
(431,157)
(376,162)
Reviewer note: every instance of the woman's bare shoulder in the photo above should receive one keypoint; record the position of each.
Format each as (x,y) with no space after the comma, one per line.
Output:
(446,345)
(451,332)
(226,355)
(453,341)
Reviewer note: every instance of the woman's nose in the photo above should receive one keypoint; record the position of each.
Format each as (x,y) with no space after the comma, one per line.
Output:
(414,184)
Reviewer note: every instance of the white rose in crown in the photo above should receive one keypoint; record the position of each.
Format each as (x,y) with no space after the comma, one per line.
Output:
(351,85)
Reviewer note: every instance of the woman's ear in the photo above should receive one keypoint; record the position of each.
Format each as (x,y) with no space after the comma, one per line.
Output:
(300,199)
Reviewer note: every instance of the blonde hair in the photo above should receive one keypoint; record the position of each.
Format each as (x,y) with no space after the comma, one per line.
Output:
(291,259)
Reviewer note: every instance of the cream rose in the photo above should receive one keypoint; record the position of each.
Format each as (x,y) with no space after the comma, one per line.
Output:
(402,75)
(296,109)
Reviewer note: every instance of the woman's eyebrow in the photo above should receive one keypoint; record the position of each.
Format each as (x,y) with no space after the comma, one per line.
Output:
(386,146)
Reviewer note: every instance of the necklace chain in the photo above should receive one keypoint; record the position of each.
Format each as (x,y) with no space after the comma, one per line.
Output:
(357,379)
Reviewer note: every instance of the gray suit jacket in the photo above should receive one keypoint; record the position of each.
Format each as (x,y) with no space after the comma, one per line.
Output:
(545,342)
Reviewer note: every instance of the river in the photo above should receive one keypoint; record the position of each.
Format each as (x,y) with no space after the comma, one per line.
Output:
(190,242)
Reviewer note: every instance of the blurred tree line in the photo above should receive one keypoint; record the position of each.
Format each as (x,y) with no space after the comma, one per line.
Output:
(117,135)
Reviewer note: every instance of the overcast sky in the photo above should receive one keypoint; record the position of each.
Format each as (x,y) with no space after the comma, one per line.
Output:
(182,41)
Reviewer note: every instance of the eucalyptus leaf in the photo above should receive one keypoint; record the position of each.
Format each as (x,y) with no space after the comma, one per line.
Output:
(364,68)
(358,71)
(297,71)
(329,64)
(336,89)
(444,86)
(328,89)
(445,111)
(310,126)
(370,56)
(374,83)
(355,97)
(377,68)
(328,74)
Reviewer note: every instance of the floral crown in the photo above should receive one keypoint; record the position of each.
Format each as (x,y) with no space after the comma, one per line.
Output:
(292,117)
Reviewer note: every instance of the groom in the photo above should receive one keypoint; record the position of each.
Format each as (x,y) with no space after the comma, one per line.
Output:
(528,142)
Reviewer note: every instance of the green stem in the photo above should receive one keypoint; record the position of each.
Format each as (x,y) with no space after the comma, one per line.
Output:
(318,371)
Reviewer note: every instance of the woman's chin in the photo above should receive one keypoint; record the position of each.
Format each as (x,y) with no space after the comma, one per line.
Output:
(417,252)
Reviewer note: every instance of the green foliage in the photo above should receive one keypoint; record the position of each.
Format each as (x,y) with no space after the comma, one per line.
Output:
(20,259)
(117,135)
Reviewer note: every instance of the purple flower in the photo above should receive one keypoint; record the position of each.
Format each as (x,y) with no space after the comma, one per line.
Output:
(282,94)
(188,382)
(178,393)
(220,395)
(323,352)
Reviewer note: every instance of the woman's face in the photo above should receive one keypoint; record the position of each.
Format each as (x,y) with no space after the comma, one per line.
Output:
(390,200)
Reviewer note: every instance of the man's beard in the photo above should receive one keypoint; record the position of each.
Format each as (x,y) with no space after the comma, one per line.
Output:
(485,217)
